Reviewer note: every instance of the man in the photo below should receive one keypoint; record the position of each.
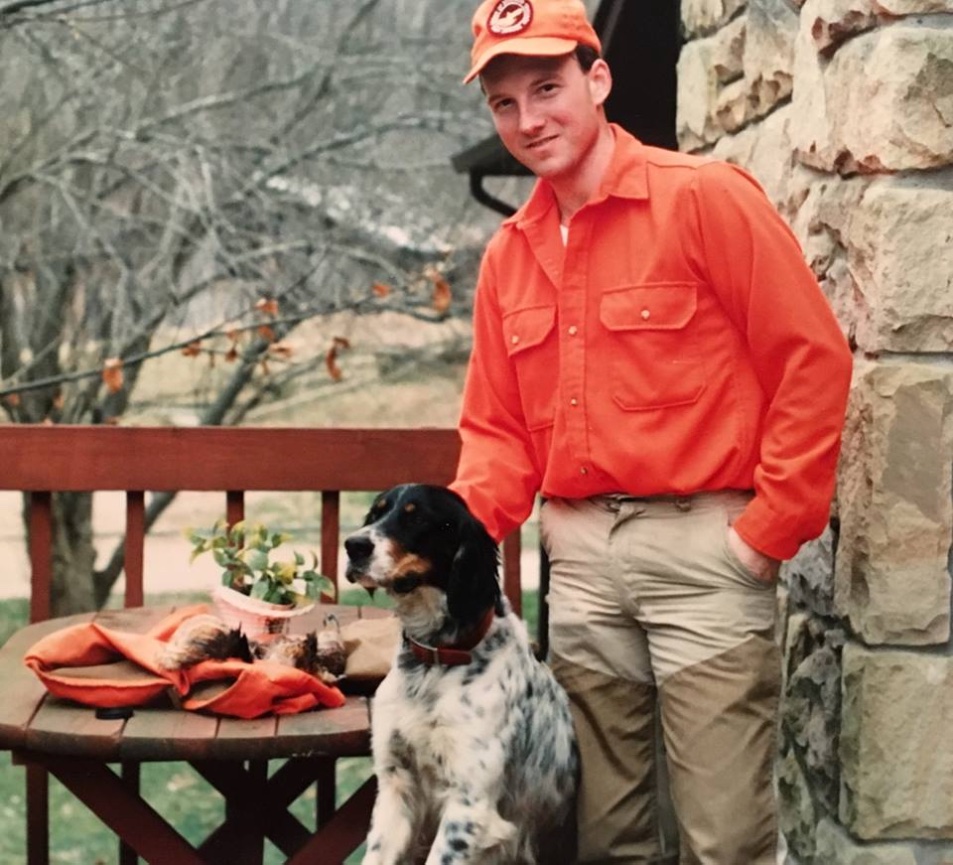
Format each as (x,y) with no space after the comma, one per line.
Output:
(651,354)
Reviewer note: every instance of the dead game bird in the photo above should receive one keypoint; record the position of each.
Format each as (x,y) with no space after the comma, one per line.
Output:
(321,653)
(203,638)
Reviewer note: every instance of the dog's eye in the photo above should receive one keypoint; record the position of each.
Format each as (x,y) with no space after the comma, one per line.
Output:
(376,511)
(410,514)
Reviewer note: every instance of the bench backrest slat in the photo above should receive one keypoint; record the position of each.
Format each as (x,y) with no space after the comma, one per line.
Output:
(41,460)
(330,530)
(223,458)
(135,547)
(40,528)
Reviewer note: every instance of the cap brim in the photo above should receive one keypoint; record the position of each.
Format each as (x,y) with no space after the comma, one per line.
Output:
(530,46)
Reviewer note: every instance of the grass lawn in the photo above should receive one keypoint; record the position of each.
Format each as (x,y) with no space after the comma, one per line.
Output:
(173,789)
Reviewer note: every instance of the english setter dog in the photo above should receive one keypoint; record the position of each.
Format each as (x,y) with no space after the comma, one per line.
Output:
(473,743)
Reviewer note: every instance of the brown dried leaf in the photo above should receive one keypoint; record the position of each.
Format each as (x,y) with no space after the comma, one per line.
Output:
(441,294)
(267,306)
(266,333)
(381,289)
(193,349)
(331,362)
(112,374)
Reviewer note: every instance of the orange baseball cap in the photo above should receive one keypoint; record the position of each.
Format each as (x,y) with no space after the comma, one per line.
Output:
(535,28)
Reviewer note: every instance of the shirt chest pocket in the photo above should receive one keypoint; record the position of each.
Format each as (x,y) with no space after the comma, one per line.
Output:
(654,356)
(531,345)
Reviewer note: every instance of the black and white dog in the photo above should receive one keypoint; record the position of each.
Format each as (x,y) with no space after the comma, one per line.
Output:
(473,742)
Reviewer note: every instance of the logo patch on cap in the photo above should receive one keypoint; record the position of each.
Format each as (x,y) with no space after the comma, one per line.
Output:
(509,17)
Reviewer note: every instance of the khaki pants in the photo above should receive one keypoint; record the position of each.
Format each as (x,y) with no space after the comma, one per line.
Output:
(648,603)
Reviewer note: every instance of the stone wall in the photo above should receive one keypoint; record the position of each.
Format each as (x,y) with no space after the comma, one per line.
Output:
(843,109)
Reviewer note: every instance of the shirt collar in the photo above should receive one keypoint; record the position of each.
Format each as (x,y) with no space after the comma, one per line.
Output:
(624,178)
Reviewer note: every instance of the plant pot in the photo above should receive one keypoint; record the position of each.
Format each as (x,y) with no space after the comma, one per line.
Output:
(258,620)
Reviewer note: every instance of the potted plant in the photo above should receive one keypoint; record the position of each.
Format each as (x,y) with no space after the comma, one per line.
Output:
(259,592)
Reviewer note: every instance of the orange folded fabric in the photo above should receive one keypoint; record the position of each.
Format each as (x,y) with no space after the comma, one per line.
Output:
(99,666)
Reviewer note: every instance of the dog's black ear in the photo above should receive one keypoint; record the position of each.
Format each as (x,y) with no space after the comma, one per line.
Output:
(473,586)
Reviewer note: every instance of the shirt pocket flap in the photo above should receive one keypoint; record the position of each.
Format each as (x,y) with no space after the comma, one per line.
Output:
(526,328)
(655,306)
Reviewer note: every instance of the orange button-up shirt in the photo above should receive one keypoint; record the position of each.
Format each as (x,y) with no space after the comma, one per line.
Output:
(676,343)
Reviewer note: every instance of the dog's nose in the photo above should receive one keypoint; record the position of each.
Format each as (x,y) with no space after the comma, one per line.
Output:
(359,547)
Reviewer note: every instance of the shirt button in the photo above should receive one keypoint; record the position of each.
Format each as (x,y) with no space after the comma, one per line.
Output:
(514,339)
(583,470)
(573,330)
(646,314)
(574,402)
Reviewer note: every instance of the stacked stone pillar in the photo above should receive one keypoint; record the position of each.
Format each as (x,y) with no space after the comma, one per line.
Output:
(843,109)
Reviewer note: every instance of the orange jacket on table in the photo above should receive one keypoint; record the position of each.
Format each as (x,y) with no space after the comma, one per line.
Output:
(250,690)
(677,343)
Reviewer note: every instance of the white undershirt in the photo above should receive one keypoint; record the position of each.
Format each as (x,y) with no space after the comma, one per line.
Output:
(564,231)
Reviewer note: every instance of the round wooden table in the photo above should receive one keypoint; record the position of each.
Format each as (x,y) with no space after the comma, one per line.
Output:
(78,748)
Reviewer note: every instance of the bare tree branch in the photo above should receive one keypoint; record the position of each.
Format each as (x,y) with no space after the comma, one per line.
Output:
(14,6)
(11,8)
(165,163)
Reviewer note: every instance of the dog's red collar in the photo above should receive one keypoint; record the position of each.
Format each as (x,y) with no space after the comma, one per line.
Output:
(456,655)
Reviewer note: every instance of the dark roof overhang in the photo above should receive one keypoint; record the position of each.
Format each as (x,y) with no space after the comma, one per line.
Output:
(488,158)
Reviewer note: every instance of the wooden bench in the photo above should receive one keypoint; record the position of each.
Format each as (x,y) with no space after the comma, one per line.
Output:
(44,460)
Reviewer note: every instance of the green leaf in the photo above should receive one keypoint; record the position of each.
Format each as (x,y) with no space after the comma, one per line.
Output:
(276,595)
(257,560)
(260,590)
(285,572)
(196,536)
(300,600)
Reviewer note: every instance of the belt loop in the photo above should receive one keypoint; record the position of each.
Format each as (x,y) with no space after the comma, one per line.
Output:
(683,503)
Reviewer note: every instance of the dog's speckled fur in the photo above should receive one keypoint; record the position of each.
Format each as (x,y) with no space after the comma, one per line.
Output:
(475,763)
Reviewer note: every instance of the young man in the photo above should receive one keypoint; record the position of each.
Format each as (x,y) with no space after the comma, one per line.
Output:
(652,354)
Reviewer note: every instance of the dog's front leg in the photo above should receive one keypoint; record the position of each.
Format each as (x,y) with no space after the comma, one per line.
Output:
(394,822)
(471,832)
